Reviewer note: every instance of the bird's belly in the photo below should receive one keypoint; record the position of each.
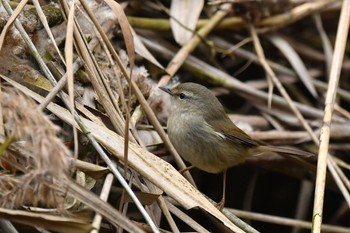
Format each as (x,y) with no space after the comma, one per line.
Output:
(211,159)
(204,150)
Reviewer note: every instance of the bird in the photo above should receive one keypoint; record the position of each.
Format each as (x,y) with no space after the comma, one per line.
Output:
(204,136)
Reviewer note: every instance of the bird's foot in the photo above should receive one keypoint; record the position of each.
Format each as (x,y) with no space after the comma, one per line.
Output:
(182,171)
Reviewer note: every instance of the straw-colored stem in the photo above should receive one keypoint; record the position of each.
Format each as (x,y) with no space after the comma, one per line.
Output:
(285,221)
(96,223)
(341,41)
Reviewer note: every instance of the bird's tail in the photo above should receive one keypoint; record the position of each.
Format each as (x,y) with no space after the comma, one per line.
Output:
(286,150)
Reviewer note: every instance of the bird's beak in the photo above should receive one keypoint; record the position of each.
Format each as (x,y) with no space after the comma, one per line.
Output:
(167,90)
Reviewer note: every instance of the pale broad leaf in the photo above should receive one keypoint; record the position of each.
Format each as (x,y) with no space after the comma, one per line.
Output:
(184,16)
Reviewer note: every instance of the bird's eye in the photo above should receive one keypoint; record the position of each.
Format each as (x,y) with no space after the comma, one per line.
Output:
(182,96)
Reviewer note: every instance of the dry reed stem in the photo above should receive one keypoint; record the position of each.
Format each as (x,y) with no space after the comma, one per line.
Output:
(286,221)
(343,27)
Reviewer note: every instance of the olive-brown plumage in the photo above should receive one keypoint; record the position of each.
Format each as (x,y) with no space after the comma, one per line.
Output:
(203,134)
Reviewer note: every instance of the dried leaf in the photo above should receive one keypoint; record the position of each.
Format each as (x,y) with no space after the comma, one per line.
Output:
(40,82)
(145,198)
(143,51)
(92,170)
(126,30)
(47,221)
(184,16)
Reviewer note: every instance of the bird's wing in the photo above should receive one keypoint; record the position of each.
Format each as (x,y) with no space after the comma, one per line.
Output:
(231,132)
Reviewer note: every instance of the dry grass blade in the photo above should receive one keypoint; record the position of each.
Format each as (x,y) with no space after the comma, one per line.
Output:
(68,49)
(295,61)
(327,47)
(11,21)
(127,33)
(340,178)
(47,27)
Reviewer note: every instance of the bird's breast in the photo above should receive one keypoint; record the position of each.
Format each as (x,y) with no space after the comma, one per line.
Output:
(199,144)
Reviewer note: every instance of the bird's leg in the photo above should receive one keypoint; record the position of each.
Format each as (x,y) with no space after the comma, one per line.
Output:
(221,204)
(182,171)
